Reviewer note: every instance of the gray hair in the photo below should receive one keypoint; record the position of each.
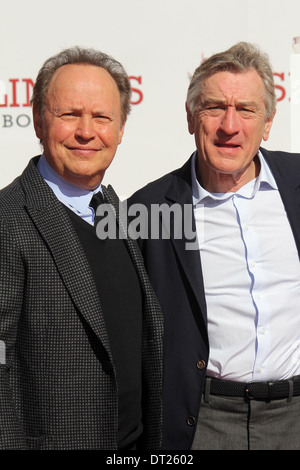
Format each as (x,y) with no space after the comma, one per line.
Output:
(78,55)
(239,58)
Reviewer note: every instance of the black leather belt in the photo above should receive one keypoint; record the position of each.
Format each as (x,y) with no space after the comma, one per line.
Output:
(256,390)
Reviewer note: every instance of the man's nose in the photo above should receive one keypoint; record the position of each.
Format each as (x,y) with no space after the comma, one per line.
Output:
(230,122)
(85,128)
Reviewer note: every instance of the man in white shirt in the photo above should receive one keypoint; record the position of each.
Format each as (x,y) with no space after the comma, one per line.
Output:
(232,329)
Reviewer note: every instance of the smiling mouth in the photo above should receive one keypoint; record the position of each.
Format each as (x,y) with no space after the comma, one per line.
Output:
(83,151)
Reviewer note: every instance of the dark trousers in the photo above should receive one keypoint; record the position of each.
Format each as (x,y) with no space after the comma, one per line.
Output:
(237,423)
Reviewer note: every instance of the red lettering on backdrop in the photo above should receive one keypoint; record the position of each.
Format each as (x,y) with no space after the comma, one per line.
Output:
(279,87)
(13,102)
(29,83)
(14,82)
(136,90)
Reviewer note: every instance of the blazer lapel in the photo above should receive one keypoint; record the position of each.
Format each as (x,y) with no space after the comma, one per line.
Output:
(180,192)
(54,226)
(288,182)
(291,200)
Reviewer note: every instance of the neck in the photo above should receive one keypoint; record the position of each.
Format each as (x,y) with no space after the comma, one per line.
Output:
(218,182)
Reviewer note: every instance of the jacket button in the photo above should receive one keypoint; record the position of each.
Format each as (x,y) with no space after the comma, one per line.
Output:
(191,420)
(201,364)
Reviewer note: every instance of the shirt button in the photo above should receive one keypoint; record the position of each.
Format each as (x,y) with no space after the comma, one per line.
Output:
(191,420)
(201,364)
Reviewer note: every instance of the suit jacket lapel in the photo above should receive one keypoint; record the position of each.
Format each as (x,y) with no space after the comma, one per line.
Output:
(288,182)
(291,201)
(54,226)
(180,192)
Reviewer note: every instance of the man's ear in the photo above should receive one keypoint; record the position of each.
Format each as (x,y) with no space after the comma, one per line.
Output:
(190,119)
(37,122)
(121,132)
(268,126)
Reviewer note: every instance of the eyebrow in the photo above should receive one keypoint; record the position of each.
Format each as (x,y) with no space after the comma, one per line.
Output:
(218,101)
(79,109)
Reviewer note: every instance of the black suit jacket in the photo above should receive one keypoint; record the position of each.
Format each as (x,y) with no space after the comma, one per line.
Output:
(176,276)
(58,387)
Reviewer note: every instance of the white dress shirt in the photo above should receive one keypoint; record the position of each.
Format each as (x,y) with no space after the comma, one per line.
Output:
(75,198)
(251,275)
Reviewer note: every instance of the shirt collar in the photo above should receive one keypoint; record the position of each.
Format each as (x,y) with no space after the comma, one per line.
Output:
(72,196)
(265,180)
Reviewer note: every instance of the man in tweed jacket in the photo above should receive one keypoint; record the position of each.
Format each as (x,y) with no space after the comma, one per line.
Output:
(71,372)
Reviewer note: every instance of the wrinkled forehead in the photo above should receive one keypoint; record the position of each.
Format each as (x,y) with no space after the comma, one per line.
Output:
(76,76)
(83,86)
(233,87)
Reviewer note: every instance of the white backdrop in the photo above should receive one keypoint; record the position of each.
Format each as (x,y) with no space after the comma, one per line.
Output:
(160,43)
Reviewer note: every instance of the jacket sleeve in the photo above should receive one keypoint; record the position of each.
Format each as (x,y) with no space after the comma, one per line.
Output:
(11,296)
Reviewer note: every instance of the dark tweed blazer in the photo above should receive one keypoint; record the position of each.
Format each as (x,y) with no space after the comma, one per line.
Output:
(58,386)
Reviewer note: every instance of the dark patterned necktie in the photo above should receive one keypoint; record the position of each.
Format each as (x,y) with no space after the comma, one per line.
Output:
(96,201)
